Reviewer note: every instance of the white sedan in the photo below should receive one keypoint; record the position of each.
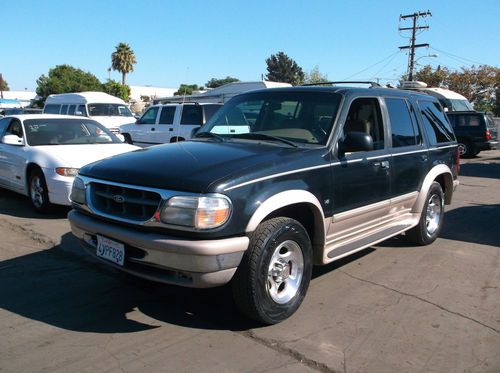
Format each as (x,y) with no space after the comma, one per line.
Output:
(41,154)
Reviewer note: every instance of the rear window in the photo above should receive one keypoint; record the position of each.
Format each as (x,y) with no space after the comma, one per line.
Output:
(402,131)
(436,125)
(167,115)
(191,114)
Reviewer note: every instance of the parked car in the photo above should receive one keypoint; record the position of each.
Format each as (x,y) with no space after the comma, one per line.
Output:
(475,131)
(162,124)
(320,173)
(41,154)
(18,111)
(108,110)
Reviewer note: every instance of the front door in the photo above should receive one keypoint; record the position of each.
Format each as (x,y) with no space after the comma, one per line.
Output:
(143,132)
(13,157)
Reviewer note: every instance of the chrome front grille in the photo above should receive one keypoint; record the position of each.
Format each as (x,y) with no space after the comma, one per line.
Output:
(124,203)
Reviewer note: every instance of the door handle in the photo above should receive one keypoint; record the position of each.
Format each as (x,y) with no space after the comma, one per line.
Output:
(170,129)
(152,129)
(382,164)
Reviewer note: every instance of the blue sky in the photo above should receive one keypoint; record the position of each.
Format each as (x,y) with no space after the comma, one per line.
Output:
(192,41)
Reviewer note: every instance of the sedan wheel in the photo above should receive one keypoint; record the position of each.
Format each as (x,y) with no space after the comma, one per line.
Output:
(38,192)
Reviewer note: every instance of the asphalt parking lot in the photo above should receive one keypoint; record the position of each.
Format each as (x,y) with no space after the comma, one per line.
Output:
(390,308)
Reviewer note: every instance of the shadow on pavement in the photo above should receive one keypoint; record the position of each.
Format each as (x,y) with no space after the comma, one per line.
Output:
(487,170)
(17,205)
(474,223)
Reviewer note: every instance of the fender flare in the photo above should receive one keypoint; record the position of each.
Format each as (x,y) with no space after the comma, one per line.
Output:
(435,172)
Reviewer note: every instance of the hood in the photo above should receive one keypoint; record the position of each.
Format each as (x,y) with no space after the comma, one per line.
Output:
(190,166)
(77,156)
(112,122)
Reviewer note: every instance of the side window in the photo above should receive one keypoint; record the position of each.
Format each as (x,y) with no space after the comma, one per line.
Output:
(149,117)
(15,128)
(191,114)
(3,125)
(81,111)
(64,109)
(436,125)
(210,110)
(167,115)
(402,131)
(52,109)
(71,109)
(365,116)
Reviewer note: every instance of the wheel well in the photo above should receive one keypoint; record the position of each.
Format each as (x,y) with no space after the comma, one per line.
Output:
(29,169)
(307,215)
(446,183)
(177,139)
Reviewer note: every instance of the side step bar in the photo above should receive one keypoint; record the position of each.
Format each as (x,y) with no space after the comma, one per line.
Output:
(367,241)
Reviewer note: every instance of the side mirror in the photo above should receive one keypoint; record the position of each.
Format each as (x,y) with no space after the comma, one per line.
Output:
(195,131)
(12,140)
(356,142)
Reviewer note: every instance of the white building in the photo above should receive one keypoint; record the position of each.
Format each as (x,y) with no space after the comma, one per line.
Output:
(136,91)
(24,97)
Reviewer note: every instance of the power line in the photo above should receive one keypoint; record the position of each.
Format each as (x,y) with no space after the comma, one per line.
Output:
(369,67)
(458,57)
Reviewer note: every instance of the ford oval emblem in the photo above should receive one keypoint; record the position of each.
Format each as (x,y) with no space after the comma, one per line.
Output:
(118,198)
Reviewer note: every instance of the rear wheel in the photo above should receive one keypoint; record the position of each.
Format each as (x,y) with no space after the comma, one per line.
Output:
(38,192)
(274,274)
(128,139)
(431,220)
(466,149)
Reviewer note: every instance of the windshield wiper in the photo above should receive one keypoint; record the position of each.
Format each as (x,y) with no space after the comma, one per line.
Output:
(200,135)
(262,136)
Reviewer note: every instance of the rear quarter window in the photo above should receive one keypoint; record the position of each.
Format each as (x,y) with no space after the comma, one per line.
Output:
(436,125)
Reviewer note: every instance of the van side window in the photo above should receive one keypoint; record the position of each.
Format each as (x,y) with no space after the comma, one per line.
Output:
(436,125)
(167,115)
(149,117)
(71,109)
(80,110)
(365,116)
(192,114)
(64,109)
(402,131)
(52,109)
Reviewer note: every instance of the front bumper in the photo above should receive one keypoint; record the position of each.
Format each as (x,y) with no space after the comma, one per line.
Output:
(157,257)
(59,187)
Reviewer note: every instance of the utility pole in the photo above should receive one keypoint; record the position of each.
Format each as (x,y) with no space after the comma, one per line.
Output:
(413,45)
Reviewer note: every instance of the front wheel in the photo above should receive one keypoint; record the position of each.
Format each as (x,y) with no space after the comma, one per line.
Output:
(431,220)
(38,192)
(274,274)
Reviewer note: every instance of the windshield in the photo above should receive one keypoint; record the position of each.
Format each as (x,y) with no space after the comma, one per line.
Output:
(301,117)
(66,132)
(460,105)
(109,110)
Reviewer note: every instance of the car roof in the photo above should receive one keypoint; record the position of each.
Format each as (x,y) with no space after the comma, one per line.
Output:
(345,90)
(23,117)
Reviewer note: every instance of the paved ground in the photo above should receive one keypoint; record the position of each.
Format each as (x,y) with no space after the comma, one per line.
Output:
(391,308)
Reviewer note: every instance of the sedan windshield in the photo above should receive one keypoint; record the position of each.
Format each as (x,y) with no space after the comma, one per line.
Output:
(109,110)
(66,132)
(302,117)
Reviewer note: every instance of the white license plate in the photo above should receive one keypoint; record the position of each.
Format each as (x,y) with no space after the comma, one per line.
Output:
(110,250)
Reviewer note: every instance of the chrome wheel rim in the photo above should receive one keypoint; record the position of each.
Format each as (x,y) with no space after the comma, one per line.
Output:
(433,214)
(462,149)
(285,272)
(36,191)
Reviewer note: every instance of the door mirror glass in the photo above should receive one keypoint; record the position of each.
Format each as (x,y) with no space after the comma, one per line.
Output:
(13,140)
(356,142)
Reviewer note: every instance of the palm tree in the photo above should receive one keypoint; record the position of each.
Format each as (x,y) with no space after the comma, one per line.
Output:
(123,60)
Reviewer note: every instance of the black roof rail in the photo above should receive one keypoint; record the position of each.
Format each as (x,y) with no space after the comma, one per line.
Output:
(372,84)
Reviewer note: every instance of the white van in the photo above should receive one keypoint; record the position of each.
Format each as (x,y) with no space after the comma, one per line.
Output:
(108,110)
(449,100)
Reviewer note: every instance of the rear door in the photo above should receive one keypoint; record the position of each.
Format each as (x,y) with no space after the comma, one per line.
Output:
(165,127)
(410,158)
(191,118)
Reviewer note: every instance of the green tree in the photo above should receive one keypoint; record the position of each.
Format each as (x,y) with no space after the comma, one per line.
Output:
(433,78)
(281,68)
(315,76)
(123,60)
(3,84)
(66,79)
(214,83)
(116,89)
(187,89)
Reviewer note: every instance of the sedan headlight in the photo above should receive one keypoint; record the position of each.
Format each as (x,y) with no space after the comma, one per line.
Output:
(67,171)
(197,212)
(78,191)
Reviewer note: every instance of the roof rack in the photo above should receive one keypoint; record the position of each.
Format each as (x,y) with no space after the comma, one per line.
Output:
(372,84)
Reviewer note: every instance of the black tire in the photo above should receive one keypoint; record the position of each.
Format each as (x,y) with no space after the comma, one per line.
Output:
(128,139)
(466,149)
(428,230)
(38,192)
(273,240)
(176,139)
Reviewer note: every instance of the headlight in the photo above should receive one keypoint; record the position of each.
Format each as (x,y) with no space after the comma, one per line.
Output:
(66,171)
(196,212)
(78,191)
